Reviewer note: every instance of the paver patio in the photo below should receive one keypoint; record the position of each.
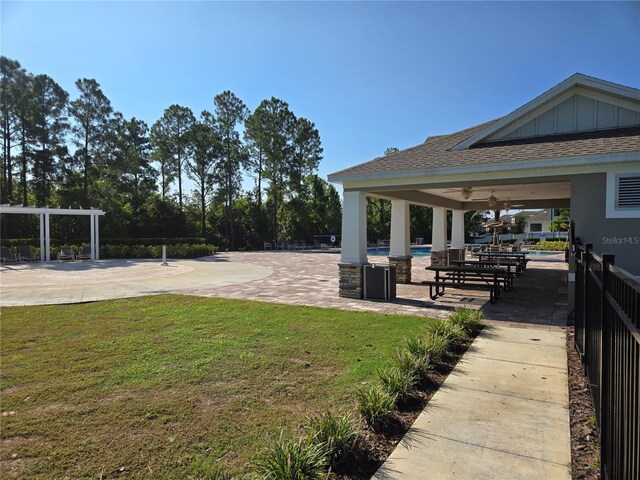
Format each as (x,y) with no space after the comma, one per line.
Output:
(300,278)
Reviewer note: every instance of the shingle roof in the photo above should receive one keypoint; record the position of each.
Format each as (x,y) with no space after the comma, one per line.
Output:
(436,152)
(542,215)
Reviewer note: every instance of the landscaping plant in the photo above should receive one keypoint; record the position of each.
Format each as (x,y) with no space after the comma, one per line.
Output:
(375,405)
(414,360)
(468,319)
(287,460)
(444,328)
(436,346)
(338,435)
(398,383)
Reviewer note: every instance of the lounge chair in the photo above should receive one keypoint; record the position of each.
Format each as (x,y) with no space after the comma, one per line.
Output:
(6,255)
(85,253)
(66,254)
(25,254)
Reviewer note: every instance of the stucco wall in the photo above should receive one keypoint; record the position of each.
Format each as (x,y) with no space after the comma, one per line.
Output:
(620,236)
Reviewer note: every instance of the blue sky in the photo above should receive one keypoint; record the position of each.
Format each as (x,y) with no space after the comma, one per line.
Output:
(369,74)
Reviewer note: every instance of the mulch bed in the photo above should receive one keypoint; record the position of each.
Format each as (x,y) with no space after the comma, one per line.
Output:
(374,447)
(585,438)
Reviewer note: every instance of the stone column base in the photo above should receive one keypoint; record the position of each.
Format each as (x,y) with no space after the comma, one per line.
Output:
(350,276)
(403,268)
(439,258)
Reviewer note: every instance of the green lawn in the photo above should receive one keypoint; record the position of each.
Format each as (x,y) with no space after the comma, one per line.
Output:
(173,386)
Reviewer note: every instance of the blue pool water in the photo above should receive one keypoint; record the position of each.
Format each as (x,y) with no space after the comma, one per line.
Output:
(415,251)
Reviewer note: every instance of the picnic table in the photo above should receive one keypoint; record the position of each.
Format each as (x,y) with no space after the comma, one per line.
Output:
(458,276)
(513,267)
(520,257)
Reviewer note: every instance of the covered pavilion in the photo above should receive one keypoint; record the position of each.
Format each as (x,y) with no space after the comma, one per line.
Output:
(575,146)
(45,213)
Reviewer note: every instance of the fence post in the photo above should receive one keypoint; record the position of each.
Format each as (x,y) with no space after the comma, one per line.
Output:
(586,256)
(606,383)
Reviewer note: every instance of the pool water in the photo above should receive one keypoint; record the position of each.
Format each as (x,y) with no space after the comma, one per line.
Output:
(415,251)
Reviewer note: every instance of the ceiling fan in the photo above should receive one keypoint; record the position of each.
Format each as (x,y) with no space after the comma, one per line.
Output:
(493,202)
(465,192)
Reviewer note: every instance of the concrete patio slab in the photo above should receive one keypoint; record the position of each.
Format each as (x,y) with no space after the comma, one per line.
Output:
(74,282)
(501,414)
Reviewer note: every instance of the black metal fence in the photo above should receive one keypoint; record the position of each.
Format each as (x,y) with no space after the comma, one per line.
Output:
(608,339)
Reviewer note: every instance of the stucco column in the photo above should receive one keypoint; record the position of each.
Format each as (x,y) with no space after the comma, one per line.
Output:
(400,251)
(457,251)
(354,244)
(439,237)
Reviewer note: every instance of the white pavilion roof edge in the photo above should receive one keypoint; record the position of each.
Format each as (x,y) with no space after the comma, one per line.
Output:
(52,211)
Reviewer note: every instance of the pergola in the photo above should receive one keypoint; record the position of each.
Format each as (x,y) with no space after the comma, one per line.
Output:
(577,145)
(45,212)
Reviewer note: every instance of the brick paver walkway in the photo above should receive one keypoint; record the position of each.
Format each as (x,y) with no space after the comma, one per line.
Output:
(310,278)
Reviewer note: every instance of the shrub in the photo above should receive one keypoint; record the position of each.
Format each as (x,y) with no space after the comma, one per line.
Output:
(452,332)
(416,346)
(155,251)
(552,246)
(398,383)
(468,319)
(337,434)
(436,346)
(414,359)
(375,405)
(287,460)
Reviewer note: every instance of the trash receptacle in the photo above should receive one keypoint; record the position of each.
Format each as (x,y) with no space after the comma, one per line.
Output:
(380,282)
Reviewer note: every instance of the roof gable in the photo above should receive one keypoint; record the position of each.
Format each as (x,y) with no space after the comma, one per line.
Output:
(579,103)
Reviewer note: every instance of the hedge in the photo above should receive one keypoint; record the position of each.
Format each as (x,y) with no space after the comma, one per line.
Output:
(35,242)
(550,246)
(181,250)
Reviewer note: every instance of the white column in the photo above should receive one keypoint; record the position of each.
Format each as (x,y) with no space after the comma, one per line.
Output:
(42,253)
(93,238)
(439,230)
(457,229)
(354,228)
(47,238)
(97,253)
(400,233)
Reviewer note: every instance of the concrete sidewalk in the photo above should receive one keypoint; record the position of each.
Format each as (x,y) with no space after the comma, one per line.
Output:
(503,413)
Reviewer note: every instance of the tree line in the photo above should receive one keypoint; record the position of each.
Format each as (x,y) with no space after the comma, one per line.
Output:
(79,152)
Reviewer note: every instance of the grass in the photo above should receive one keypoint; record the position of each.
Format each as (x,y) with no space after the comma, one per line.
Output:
(176,386)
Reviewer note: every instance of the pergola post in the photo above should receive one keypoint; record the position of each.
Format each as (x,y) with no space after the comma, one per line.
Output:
(47,238)
(457,251)
(439,237)
(400,247)
(97,233)
(354,244)
(42,252)
(93,238)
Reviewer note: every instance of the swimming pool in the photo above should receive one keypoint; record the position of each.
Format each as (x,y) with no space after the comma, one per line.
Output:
(415,251)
